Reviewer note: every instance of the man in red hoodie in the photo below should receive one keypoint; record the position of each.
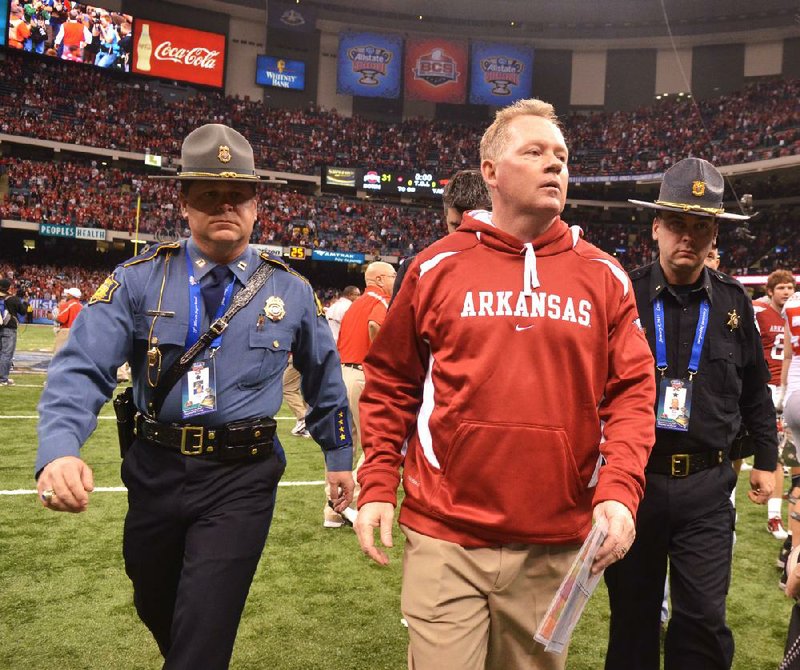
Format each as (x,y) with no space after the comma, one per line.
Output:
(513,384)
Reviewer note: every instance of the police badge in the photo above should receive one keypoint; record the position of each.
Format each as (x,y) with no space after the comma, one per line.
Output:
(274,308)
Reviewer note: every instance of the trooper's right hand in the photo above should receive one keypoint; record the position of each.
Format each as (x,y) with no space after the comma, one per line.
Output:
(64,485)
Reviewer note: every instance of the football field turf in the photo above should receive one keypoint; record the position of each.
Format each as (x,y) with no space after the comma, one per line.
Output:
(316,601)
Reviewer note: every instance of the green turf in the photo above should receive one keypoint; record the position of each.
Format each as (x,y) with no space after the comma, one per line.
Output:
(316,602)
(35,337)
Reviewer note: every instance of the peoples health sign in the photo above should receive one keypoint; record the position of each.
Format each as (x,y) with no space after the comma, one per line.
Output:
(53,230)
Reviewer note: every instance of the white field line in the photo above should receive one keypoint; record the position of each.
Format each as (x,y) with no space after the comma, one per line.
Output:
(122,489)
(28,386)
(105,418)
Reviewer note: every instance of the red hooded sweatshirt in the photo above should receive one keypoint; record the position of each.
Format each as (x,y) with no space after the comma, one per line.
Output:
(513,384)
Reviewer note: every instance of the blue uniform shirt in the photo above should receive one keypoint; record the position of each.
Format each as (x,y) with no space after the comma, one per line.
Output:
(116,327)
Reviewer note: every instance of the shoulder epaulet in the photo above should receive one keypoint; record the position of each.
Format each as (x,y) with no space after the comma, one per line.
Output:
(153,252)
(272,260)
(727,279)
(638,273)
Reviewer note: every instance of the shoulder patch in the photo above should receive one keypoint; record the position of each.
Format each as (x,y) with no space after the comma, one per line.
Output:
(153,252)
(105,292)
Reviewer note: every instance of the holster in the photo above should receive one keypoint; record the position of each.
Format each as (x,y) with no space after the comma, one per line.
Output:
(126,413)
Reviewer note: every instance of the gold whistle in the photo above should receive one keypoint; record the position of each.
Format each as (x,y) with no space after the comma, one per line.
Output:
(153,362)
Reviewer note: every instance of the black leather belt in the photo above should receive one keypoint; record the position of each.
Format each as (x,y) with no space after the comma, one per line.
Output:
(683,465)
(357,366)
(251,438)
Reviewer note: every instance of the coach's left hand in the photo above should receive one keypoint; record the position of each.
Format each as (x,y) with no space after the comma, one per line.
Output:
(761,485)
(621,533)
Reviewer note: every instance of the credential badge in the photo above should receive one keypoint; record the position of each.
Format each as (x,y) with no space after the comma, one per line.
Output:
(733,320)
(274,308)
(224,154)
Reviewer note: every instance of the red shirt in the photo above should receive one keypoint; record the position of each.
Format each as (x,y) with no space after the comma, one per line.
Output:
(68,312)
(500,378)
(354,339)
(770,325)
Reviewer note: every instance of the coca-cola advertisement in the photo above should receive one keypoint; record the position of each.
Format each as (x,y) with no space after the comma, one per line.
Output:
(183,54)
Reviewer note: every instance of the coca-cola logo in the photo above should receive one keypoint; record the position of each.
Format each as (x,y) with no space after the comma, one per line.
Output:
(196,57)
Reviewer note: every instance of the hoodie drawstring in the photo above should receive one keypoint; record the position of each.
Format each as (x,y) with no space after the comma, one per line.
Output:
(530,279)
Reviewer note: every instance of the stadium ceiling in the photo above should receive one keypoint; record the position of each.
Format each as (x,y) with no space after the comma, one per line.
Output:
(582,19)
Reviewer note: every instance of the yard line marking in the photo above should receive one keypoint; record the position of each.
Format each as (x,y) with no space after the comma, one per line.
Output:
(107,418)
(27,386)
(122,489)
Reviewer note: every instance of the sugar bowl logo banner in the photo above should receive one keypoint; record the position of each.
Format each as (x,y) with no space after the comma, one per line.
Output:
(500,73)
(436,70)
(291,16)
(370,65)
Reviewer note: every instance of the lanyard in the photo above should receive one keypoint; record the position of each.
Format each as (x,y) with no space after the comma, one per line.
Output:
(697,345)
(195,296)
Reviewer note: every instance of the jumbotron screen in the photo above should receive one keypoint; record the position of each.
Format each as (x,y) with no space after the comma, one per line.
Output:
(71,31)
(281,72)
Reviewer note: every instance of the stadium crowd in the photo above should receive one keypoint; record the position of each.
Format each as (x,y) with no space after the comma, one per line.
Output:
(47,99)
(96,196)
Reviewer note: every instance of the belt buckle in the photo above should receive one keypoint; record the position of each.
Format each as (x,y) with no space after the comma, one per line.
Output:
(679,465)
(191,440)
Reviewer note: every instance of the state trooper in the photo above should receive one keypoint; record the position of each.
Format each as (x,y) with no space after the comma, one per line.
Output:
(203,466)
(711,377)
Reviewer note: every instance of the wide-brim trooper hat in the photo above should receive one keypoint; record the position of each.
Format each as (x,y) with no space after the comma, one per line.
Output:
(216,152)
(692,186)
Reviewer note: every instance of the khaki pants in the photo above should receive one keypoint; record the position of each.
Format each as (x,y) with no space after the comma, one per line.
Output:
(478,608)
(61,339)
(354,383)
(291,392)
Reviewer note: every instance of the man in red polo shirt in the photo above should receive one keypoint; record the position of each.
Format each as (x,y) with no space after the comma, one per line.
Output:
(65,316)
(360,326)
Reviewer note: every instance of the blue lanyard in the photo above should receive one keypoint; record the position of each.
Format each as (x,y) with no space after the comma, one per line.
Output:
(697,345)
(195,296)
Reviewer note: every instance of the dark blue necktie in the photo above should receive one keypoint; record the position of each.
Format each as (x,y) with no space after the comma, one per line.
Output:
(213,289)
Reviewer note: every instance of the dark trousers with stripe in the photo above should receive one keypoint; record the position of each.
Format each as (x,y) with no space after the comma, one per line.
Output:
(688,521)
(194,534)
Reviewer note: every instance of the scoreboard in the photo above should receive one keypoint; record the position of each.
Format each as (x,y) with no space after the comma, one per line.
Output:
(414,183)
(410,183)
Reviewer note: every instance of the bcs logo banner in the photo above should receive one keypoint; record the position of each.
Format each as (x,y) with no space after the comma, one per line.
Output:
(500,73)
(436,70)
(172,52)
(369,65)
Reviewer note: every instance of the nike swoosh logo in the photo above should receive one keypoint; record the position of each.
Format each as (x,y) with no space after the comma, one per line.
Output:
(519,328)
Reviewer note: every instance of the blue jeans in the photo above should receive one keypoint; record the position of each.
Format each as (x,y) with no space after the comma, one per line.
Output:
(8,342)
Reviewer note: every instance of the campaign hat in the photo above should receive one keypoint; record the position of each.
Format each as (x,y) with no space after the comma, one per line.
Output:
(692,186)
(216,152)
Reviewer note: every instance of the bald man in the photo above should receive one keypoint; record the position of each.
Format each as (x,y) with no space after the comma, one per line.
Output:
(360,326)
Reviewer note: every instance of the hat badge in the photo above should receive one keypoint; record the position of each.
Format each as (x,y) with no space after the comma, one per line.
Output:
(224,154)
(698,188)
